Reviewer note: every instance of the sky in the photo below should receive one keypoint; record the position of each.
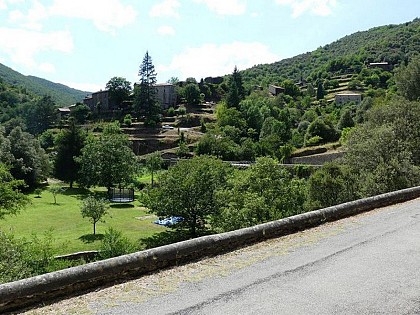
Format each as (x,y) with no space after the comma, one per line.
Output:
(84,43)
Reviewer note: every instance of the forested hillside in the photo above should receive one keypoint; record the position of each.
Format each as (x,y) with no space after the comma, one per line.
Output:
(61,94)
(392,43)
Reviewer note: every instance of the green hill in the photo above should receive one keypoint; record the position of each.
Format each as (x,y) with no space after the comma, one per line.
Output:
(62,95)
(391,43)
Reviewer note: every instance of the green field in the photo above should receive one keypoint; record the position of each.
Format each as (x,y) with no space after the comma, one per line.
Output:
(70,231)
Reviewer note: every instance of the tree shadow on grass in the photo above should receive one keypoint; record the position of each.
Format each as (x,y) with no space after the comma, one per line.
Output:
(165,238)
(122,205)
(79,192)
(90,238)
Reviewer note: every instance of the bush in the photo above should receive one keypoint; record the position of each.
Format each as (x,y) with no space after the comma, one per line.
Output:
(22,258)
(313,141)
(171,112)
(128,120)
(115,244)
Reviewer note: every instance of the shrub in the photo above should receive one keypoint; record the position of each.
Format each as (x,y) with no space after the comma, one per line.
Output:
(171,112)
(115,244)
(128,120)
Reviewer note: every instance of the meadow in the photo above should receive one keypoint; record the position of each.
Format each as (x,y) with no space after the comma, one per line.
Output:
(72,233)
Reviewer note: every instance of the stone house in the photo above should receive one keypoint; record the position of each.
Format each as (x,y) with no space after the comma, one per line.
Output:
(166,94)
(100,101)
(343,98)
(275,90)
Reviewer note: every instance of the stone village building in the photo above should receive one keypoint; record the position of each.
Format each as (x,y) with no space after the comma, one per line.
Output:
(343,98)
(166,95)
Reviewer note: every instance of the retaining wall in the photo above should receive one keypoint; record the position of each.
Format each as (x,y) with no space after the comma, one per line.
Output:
(44,288)
(317,159)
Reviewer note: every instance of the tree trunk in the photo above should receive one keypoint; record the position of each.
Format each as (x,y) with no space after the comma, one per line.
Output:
(193,226)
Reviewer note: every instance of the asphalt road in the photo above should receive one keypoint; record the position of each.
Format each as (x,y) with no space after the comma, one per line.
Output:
(368,264)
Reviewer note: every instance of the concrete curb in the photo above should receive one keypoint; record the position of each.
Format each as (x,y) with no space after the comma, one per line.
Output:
(44,288)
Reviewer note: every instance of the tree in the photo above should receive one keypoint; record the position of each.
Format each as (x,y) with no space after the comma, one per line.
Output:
(68,144)
(145,94)
(119,90)
(41,115)
(191,93)
(24,155)
(322,128)
(320,92)
(55,190)
(381,161)
(261,193)
(330,185)
(94,209)
(346,120)
(290,88)
(80,113)
(114,160)
(403,117)
(154,163)
(187,190)
(236,91)
(11,199)
(408,80)
(275,133)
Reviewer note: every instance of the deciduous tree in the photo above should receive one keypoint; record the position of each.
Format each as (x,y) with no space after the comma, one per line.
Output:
(24,155)
(154,163)
(107,160)
(94,209)
(41,115)
(11,199)
(119,90)
(263,192)
(187,190)
(408,80)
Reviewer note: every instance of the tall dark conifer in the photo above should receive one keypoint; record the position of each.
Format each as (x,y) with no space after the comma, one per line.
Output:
(145,92)
(236,91)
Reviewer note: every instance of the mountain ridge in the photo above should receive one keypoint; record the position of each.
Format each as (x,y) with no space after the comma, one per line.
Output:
(62,94)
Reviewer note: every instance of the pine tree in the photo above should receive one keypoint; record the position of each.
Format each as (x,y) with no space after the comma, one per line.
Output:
(145,92)
(236,91)
(320,92)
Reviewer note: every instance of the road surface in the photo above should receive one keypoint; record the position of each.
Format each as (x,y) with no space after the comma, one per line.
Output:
(367,264)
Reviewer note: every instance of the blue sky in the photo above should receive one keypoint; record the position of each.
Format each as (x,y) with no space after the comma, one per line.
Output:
(84,43)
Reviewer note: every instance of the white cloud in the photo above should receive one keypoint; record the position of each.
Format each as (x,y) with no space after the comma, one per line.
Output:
(22,46)
(167,8)
(166,30)
(225,7)
(317,7)
(32,20)
(3,3)
(106,15)
(46,67)
(213,60)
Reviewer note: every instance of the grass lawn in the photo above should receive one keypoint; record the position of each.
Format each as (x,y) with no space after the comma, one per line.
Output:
(70,231)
